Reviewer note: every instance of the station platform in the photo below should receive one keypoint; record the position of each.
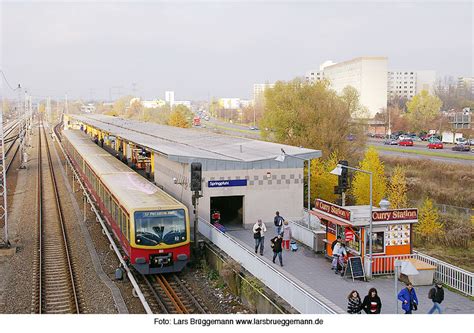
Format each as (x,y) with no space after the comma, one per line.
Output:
(314,270)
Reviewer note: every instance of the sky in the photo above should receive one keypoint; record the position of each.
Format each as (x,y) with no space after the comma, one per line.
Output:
(202,49)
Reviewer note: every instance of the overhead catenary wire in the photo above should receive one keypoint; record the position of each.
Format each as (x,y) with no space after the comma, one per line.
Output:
(8,83)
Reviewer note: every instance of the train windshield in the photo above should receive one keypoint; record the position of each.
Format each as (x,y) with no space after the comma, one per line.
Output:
(160,227)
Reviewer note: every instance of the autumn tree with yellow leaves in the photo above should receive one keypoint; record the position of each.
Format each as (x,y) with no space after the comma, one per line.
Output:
(429,227)
(397,189)
(361,181)
(180,117)
(322,181)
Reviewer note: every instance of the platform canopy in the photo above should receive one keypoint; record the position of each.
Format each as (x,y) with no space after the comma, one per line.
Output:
(191,145)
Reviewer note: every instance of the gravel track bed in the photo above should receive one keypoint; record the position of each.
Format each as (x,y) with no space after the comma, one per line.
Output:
(17,270)
(95,295)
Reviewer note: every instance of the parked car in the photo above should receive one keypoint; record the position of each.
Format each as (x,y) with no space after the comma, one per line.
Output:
(391,142)
(435,144)
(404,137)
(405,142)
(415,138)
(461,141)
(434,138)
(461,147)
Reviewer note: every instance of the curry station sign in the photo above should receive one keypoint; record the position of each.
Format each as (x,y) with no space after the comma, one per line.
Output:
(377,216)
(333,209)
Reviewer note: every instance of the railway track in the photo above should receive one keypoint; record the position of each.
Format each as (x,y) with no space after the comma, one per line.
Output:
(168,294)
(11,137)
(55,289)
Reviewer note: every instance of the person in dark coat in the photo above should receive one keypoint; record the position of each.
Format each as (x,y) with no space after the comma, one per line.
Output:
(278,222)
(354,303)
(372,303)
(436,294)
(277,248)
(408,298)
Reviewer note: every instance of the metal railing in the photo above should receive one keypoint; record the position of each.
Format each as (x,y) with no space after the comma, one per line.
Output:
(296,293)
(384,265)
(450,275)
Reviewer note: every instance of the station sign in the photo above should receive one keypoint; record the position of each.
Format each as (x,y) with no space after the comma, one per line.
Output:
(395,215)
(333,209)
(227,183)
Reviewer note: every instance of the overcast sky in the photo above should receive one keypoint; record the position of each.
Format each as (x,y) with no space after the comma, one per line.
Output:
(197,49)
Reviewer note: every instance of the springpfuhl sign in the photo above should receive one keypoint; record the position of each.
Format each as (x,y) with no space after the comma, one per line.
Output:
(227,183)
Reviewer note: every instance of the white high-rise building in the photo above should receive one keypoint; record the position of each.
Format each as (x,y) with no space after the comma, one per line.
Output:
(259,91)
(318,75)
(368,75)
(409,83)
(169,97)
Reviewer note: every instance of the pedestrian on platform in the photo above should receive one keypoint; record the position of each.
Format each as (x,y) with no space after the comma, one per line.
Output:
(372,303)
(333,244)
(335,255)
(408,298)
(286,235)
(276,245)
(259,229)
(341,257)
(436,295)
(278,221)
(354,303)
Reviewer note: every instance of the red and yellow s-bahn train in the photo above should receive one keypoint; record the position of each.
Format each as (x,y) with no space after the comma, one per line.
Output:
(151,226)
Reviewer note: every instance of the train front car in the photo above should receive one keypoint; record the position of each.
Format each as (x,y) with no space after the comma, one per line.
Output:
(160,240)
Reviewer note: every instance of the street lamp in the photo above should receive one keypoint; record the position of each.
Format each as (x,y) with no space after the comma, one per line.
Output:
(338,171)
(281,158)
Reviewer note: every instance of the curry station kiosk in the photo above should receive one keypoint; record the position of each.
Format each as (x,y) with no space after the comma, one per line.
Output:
(392,230)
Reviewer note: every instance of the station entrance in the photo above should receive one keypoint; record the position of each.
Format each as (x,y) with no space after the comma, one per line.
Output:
(229,209)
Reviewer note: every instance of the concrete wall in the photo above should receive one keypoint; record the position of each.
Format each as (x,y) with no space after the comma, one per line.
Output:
(263,196)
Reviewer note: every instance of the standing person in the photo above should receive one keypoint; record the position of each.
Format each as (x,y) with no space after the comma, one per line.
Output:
(372,303)
(333,244)
(286,235)
(436,295)
(408,298)
(278,221)
(341,255)
(259,229)
(335,254)
(276,245)
(354,304)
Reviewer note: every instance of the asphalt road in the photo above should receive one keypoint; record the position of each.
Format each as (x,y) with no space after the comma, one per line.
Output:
(223,127)
(421,146)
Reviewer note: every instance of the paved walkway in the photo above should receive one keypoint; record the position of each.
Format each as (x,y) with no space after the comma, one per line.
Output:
(315,271)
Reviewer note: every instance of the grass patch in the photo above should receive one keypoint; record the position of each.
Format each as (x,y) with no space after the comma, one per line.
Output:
(426,153)
(461,257)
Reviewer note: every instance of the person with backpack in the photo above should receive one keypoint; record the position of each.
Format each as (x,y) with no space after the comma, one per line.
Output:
(354,304)
(277,249)
(259,229)
(372,303)
(278,221)
(286,235)
(408,298)
(436,295)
